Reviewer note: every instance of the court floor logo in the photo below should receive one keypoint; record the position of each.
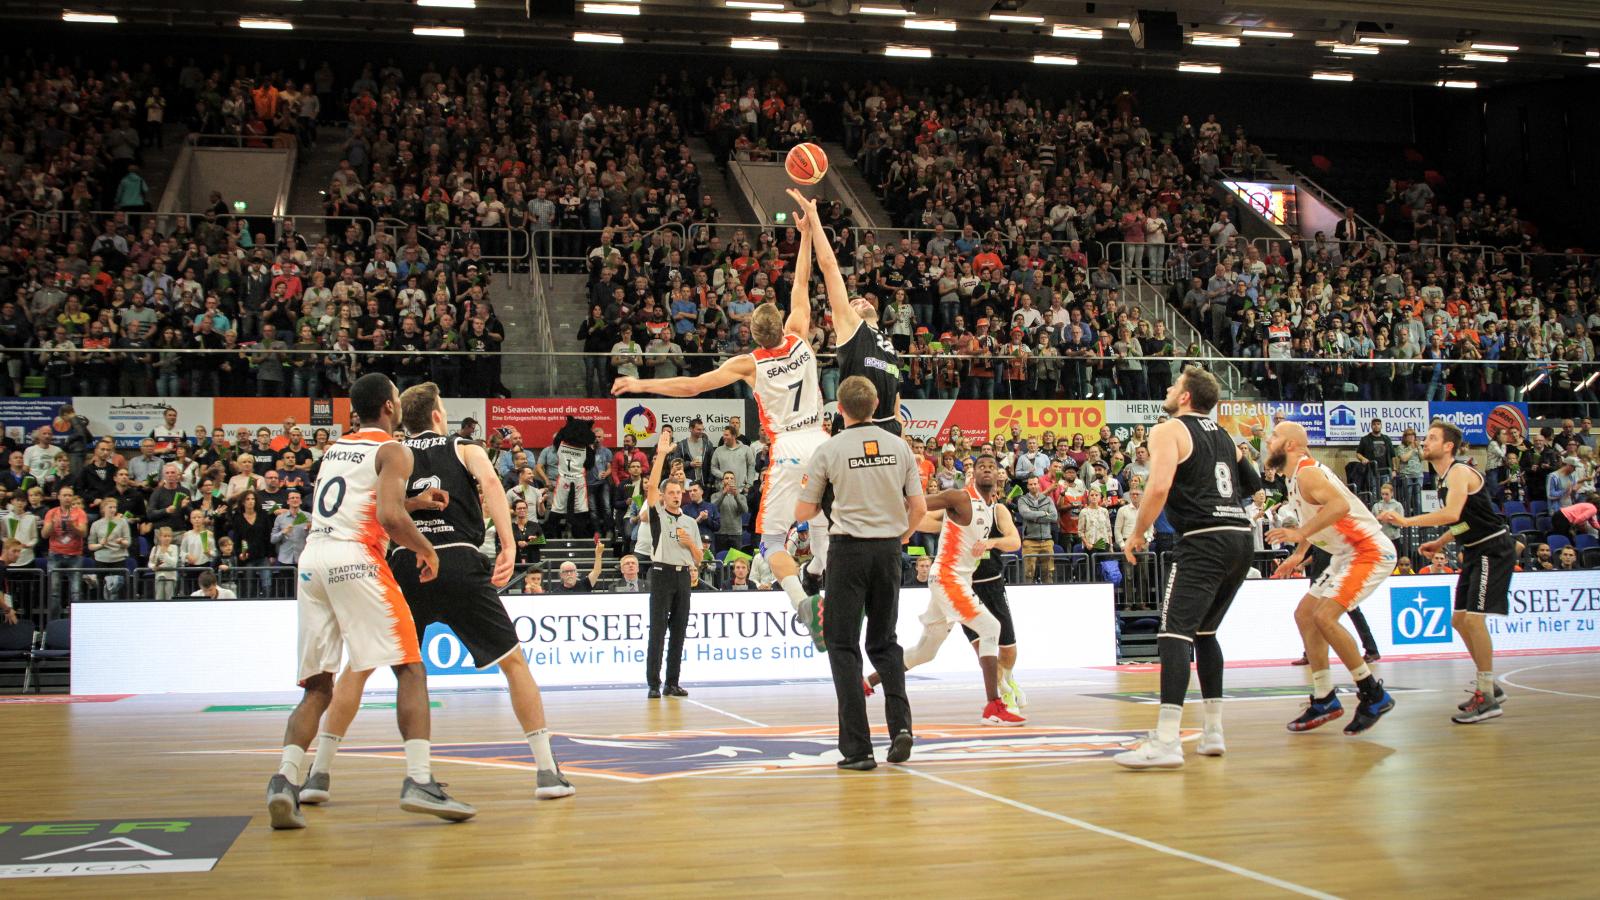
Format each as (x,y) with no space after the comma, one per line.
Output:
(116,846)
(657,756)
(1420,615)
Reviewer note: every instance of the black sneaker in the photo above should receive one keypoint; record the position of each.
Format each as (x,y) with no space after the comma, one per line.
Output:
(1370,710)
(1318,712)
(673,690)
(859,764)
(900,748)
(654,694)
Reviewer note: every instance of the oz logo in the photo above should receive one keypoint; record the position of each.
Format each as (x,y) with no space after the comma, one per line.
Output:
(1420,615)
(444,654)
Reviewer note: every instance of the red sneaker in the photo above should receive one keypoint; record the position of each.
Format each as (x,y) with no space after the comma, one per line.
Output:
(996,713)
(866,687)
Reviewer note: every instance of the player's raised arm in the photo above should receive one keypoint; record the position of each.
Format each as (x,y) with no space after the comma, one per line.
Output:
(494,503)
(799,320)
(394,469)
(845,318)
(652,486)
(739,368)
(1010,540)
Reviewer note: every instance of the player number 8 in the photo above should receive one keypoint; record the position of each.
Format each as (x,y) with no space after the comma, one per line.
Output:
(1224,480)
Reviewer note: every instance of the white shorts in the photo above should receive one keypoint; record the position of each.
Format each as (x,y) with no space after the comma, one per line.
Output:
(349,601)
(951,599)
(1352,576)
(788,459)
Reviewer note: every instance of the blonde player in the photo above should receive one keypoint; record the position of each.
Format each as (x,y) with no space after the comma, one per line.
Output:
(962,518)
(1336,521)
(782,373)
(350,603)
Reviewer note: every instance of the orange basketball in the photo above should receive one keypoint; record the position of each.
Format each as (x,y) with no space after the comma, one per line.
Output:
(806,163)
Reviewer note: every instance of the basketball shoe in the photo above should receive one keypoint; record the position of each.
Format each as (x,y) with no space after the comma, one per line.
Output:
(430,798)
(1152,753)
(1211,743)
(1480,708)
(1318,712)
(283,804)
(1369,710)
(316,789)
(997,714)
(1472,688)
(552,785)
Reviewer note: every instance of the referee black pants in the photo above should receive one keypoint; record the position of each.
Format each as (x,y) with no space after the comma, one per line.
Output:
(864,575)
(669,611)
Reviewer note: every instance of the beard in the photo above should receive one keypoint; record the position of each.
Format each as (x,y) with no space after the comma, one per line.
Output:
(1277,460)
(1170,407)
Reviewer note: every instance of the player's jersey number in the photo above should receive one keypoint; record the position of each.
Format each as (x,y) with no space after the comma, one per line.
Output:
(331,497)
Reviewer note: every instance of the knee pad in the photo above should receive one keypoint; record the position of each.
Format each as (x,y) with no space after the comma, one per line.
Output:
(987,627)
(933,635)
(774,543)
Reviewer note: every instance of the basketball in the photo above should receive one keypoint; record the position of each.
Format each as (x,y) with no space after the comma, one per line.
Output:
(806,163)
(1506,416)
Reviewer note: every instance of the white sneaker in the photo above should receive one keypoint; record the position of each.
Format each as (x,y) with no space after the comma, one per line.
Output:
(1211,743)
(1152,753)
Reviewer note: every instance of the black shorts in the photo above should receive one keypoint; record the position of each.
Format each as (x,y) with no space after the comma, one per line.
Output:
(891,425)
(462,597)
(1484,586)
(1206,572)
(992,594)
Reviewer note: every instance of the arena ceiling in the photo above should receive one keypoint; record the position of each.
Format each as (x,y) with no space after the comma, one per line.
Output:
(1418,42)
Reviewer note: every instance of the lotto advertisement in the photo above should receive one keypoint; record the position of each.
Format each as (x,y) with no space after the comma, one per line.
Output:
(249,645)
(1411,616)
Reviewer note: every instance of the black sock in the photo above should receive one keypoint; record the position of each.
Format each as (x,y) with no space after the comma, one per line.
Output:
(1208,660)
(1174,669)
(1369,687)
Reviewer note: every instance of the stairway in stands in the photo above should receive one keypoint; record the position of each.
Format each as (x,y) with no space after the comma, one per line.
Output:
(725,195)
(565,296)
(869,211)
(580,551)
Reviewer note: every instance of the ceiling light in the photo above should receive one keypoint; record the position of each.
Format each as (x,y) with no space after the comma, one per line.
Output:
(1385,41)
(1263,33)
(450,4)
(1332,76)
(1014,17)
(907,52)
(595,37)
(612,9)
(1124,24)
(1467,85)
(1593,65)
(1354,50)
(1498,48)
(1591,53)
(752,4)
(1046,59)
(438,31)
(68,15)
(753,44)
(931,24)
(267,24)
(1200,68)
(882,11)
(1485,57)
(782,18)
(1077,33)
(1213,40)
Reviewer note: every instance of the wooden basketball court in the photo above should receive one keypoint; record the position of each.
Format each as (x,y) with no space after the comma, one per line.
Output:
(732,792)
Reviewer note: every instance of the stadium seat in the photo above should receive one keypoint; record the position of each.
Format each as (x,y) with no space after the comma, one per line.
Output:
(1542,522)
(1556,542)
(1521,523)
(1515,508)
(16,642)
(1584,542)
(55,655)
(1590,558)
(1538,507)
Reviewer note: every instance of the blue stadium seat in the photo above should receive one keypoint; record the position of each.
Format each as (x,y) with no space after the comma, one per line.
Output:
(1542,522)
(55,655)
(1521,523)
(1515,508)
(1556,542)
(1538,507)
(16,642)
(1585,542)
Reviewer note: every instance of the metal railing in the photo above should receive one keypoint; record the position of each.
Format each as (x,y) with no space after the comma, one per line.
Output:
(278,140)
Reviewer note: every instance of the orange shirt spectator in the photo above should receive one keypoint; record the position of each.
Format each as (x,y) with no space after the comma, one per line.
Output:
(66,529)
(266,101)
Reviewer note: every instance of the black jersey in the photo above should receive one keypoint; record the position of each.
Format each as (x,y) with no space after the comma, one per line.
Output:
(1206,488)
(436,463)
(988,568)
(868,353)
(1479,522)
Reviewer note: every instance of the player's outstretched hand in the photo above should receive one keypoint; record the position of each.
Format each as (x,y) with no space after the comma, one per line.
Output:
(504,563)
(1289,566)
(807,209)
(1285,536)
(624,385)
(1135,545)
(427,566)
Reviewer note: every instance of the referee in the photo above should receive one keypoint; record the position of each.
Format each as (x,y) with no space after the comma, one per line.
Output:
(877,501)
(675,551)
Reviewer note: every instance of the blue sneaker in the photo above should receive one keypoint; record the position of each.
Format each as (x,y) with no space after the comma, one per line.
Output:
(1318,712)
(1369,711)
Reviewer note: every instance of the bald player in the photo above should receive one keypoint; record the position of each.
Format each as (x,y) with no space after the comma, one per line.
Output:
(1334,520)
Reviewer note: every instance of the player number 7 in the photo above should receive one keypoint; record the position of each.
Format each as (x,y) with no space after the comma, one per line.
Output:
(796,389)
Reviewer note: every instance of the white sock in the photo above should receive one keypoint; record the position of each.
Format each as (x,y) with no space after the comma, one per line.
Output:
(1213,715)
(327,746)
(1321,683)
(1486,683)
(1167,724)
(1360,671)
(539,743)
(289,767)
(1003,676)
(791,586)
(417,765)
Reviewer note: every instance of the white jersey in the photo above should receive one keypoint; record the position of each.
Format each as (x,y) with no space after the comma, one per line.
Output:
(957,543)
(788,395)
(1358,531)
(345,504)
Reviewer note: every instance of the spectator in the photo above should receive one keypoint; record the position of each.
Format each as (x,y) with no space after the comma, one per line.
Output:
(731,506)
(527,534)
(1568,560)
(1561,485)
(1094,524)
(1128,517)
(704,513)
(109,540)
(1403,567)
(1439,566)
(211,590)
(250,527)
(1038,515)
(1542,559)
(20,524)
(65,528)
(42,459)
(739,576)
(198,546)
(1376,456)
(290,528)
(920,572)
(1576,518)
(733,457)
(145,469)
(1387,503)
